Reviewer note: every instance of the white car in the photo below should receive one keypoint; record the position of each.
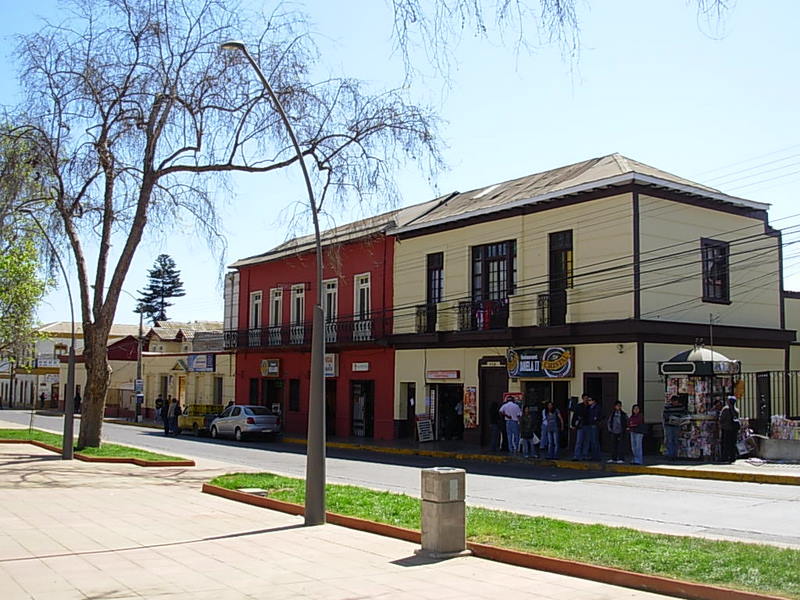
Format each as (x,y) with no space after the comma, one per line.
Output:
(239,422)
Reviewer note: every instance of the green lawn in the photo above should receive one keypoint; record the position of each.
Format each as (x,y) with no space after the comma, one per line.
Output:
(106,450)
(758,568)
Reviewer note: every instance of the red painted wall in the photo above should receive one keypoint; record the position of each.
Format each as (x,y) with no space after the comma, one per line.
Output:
(342,262)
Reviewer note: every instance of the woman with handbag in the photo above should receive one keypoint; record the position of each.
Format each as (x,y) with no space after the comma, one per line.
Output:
(552,424)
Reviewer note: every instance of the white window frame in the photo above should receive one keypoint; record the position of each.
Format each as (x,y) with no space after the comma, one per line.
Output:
(275,307)
(360,282)
(256,306)
(331,288)
(298,313)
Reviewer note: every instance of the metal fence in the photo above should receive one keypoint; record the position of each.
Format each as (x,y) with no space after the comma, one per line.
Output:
(768,393)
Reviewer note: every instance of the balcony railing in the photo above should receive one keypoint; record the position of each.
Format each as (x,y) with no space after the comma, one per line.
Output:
(479,315)
(341,331)
(426,318)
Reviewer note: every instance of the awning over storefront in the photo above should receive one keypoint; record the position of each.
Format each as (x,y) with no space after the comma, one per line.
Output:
(700,361)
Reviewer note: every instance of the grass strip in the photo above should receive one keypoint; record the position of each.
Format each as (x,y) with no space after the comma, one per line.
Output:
(752,567)
(106,450)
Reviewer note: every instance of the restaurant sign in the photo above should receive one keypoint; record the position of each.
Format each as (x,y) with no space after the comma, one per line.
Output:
(542,363)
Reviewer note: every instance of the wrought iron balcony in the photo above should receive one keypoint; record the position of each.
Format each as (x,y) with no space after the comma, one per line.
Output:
(340,331)
(426,318)
(479,315)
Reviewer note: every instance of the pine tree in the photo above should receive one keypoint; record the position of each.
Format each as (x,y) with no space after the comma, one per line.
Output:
(165,283)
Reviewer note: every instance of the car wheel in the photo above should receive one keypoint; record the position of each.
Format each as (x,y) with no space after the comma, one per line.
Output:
(195,430)
(238,434)
(214,432)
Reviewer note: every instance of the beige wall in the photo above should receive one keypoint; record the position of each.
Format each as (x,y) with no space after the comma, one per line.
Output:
(198,387)
(601,239)
(671,270)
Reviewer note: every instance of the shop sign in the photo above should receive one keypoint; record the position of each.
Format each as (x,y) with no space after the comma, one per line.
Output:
(201,363)
(331,365)
(453,374)
(470,407)
(360,367)
(543,363)
(271,367)
(51,378)
(424,429)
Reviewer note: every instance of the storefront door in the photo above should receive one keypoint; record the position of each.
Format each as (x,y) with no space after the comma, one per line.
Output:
(272,394)
(604,388)
(449,424)
(493,384)
(362,394)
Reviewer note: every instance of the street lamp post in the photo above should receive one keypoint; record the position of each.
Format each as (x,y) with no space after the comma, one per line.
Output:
(69,396)
(315,453)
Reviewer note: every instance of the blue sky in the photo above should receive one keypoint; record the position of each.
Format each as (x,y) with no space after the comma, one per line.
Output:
(715,104)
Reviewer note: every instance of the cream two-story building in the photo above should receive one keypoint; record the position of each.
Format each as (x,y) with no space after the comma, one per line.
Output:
(579,279)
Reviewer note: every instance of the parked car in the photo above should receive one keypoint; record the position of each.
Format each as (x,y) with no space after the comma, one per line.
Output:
(197,418)
(239,422)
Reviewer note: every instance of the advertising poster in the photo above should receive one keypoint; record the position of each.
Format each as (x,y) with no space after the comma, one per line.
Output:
(470,407)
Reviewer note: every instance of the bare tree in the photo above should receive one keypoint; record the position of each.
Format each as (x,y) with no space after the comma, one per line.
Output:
(138,115)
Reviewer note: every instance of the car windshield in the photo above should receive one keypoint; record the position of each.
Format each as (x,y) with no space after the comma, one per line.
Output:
(257,410)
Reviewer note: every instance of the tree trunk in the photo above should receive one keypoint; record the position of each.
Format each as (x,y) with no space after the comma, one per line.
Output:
(98,375)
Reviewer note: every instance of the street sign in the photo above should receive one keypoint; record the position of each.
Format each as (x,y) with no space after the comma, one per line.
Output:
(138,386)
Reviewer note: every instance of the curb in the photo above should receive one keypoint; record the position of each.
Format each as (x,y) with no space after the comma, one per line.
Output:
(609,575)
(139,462)
(576,466)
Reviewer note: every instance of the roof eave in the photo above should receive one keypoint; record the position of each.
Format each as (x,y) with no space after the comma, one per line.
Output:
(616,180)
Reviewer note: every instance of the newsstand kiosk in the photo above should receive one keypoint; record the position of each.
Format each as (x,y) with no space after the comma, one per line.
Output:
(700,377)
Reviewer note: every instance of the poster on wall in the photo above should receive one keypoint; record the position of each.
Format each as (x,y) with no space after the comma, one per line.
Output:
(470,407)
(270,367)
(201,363)
(541,363)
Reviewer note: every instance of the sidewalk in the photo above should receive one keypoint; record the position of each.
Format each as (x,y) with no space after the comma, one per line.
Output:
(76,530)
(749,470)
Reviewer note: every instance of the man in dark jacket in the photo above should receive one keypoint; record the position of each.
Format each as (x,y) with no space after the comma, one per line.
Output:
(590,430)
(578,417)
(617,427)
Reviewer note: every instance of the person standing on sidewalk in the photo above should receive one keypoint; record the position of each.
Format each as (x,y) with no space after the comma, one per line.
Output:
(166,414)
(552,424)
(729,427)
(617,426)
(578,417)
(526,425)
(511,412)
(637,427)
(590,430)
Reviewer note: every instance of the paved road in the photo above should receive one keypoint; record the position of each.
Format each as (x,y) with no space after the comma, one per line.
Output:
(717,509)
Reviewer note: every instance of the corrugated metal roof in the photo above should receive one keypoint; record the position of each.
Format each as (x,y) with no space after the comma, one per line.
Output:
(596,173)
(64,329)
(344,233)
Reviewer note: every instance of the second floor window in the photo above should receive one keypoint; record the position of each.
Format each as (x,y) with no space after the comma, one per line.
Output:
(298,304)
(275,307)
(362,299)
(255,310)
(435,278)
(716,281)
(331,288)
(494,270)
(560,260)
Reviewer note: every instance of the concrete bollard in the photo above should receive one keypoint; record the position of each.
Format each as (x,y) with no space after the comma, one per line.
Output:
(443,512)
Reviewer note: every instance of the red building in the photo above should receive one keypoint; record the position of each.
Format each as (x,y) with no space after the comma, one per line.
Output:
(268,307)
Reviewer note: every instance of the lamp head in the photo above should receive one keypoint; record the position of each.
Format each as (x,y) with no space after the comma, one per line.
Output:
(232,45)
